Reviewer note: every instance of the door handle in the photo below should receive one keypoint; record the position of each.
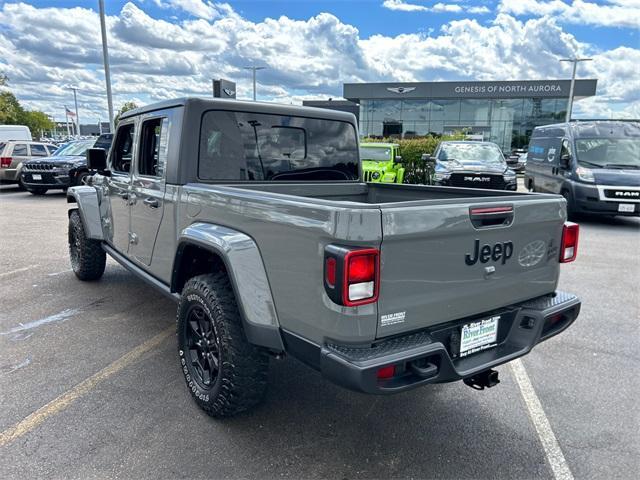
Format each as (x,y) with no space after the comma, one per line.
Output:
(151,202)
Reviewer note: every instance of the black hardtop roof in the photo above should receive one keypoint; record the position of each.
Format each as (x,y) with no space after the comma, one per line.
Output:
(202,104)
(590,129)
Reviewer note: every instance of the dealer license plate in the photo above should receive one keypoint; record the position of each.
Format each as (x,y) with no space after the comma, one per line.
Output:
(626,207)
(477,336)
(36,176)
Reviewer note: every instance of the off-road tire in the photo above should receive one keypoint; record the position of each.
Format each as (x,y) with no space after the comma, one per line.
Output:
(241,379)
(37,191)
(88,259)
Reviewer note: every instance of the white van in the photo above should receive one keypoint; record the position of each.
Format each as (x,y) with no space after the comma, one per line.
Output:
(14,132)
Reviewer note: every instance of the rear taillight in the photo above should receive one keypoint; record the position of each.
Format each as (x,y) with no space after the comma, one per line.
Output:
(5,162)
(569,245)
(351,275)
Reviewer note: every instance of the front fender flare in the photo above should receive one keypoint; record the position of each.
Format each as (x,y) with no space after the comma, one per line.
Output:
(248,276)
(86,198)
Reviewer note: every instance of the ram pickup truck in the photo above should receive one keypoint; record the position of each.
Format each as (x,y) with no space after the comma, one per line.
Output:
(254,218)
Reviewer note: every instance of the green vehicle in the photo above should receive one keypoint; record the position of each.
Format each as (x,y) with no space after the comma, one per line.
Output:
(381,163)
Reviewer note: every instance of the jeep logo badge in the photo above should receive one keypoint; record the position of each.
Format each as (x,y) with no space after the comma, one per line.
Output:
(498,252)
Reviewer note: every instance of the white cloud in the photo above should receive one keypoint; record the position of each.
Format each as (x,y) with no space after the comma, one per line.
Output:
(613,13)
(479,10)
(154,59)
(404,6)
(197,8)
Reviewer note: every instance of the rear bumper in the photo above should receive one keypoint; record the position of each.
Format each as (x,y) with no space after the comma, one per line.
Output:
(522,326)
(9,175)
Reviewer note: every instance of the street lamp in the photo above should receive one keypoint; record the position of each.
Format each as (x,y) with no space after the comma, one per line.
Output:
(75,99)
(105,58)
(254,69)
(575,61)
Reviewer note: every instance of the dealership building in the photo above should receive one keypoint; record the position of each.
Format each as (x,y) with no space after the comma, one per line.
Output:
(501,112)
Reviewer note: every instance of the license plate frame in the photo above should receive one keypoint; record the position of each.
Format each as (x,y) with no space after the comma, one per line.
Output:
(36,176)
(626,207)
(479,335)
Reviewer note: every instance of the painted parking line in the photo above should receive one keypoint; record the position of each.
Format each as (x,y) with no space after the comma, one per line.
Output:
(552,449)
(63,401)
(23,269)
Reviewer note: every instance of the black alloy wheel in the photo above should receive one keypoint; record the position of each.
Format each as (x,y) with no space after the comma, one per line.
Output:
(203,346)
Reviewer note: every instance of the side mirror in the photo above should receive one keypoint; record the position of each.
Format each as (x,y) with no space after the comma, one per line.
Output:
(397,159)
(97,159)
(565,161)
(428,158)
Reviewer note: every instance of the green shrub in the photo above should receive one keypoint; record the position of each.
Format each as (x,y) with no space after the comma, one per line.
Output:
(411,150)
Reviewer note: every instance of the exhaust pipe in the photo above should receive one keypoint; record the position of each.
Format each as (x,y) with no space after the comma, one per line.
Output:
(482,380)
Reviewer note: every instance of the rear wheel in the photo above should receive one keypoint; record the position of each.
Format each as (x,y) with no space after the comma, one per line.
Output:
(88,259)
(37,191)
(223,371)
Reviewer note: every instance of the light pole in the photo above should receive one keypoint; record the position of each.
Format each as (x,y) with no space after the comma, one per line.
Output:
(75,99)
(254,69)
(105,57)
(575,61)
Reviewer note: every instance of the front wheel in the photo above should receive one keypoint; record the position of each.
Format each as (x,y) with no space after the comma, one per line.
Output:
(88,259)
(223,371)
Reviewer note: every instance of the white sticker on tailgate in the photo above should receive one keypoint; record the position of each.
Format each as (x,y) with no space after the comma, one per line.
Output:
(479,335)
(392,318)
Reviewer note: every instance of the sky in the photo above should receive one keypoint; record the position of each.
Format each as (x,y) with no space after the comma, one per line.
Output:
(163,49)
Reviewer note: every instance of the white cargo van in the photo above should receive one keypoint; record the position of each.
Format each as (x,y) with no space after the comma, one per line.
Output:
(14,132)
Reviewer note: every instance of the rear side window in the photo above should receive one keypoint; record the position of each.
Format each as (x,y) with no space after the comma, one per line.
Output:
(20,150)
(122,153)
(38,150)
(153,147)
(260,147)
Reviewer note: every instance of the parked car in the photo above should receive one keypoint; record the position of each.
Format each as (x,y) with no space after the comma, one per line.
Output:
(65,168)
(381,162)
(15,132)
(14,153)
(472,164)
(594,165)
(254,218)
(517,160)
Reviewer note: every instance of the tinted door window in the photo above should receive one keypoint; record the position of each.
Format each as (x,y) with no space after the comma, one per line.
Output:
(258,147)
(20,150)
(123,149)
(153,147)
(38,151)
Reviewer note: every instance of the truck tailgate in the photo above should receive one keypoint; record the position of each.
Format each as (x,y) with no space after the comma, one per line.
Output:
(442,262)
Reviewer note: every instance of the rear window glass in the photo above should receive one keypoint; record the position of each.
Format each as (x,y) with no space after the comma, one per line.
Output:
(260,147)
(20,149)
(38,150)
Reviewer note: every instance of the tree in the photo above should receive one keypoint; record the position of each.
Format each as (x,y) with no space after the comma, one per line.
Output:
(38,122)
(4,80)
(11,112)
(126,106)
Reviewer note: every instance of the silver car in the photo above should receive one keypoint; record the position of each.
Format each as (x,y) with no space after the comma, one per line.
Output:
(14,152)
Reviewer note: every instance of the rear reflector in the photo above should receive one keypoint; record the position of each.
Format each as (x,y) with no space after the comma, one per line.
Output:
(386,372)
(5,162)
(491,210)
(569,245)
(330,271)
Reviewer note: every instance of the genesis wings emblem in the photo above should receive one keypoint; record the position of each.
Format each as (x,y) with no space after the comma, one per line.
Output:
(532,253)
(401,89)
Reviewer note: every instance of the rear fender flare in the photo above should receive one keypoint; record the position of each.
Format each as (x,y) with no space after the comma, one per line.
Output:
(86,198)
(248,276)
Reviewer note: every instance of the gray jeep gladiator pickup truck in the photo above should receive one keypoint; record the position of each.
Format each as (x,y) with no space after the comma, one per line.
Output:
(253,218)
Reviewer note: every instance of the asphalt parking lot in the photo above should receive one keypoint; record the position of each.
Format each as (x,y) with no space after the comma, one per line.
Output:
(97,364)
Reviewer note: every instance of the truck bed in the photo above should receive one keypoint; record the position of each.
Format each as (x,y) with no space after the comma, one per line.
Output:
(424,234)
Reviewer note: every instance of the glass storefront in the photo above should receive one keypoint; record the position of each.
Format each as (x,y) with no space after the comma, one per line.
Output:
(507,122)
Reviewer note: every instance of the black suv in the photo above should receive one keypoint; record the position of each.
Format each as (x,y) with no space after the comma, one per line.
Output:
(65,168)
(474,165)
